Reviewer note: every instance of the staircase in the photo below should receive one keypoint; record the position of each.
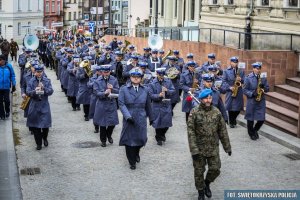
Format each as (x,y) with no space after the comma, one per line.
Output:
(282,106)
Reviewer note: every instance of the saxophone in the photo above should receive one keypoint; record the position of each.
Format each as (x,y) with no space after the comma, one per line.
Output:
(25,102)
(259,90)
(237,84)
(195,82)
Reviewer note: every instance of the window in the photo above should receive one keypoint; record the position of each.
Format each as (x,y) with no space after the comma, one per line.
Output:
(53,6)
(0,4)
(162,8)
(19,28)
(47,6)
(0,27)
(265,2)
(79,15)
(214,1)
(230,2)
(192,17)
(74,15)
(69,16)
(19,5)
(119,17)
(75,1)
(58,8)
(175,9)
(293,3)
(29,5)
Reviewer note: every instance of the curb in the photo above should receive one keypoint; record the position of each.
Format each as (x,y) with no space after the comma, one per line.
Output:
(275,135)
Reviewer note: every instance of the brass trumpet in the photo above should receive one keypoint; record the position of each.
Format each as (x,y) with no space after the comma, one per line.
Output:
(25,102)
(259,90)
(86,65)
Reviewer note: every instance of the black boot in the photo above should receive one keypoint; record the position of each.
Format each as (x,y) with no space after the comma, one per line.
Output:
(207,189)
(201,195)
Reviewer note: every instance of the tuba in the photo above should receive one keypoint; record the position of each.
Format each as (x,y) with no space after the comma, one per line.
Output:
(31,41)
(86,65)
(259,90)
(237,84)
(127,43)
(170,52)
(25,102)
(155,42)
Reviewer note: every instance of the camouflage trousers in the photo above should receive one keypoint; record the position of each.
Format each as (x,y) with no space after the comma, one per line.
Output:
(214,165)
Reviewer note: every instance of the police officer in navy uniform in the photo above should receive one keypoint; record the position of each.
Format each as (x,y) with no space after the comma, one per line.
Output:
(73,83)
(147,78)
(233,104)
(96,74)
(154,62)
(118,67)
(39,113)
(132,64)
(23,58)
(145,57)
(106,115)
(84,93)
(135,105)
(131,52)
(255,108)
(175,81)
(64,74)
(107,57)
(189,57)
(161,89)
(179,60)
(187,80)
(211,60)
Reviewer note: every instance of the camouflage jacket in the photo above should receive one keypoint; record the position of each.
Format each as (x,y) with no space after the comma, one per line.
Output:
(206,127)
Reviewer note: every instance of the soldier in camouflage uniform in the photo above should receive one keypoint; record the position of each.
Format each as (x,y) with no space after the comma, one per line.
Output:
(206,127)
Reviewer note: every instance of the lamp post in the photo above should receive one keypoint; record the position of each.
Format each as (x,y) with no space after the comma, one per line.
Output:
(247,44)
(156,17)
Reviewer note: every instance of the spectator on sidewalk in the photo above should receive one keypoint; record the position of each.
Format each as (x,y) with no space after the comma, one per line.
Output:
(14,48)
(7,81)
(5,49)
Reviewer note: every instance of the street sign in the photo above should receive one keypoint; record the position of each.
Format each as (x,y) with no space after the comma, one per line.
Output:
(92,26)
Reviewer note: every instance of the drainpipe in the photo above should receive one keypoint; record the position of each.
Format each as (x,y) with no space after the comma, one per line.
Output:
(247,44)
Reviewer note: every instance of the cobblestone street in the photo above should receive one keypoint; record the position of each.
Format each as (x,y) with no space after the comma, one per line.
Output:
(72,173)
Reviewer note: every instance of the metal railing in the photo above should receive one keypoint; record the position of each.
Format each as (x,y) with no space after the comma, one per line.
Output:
(230,38)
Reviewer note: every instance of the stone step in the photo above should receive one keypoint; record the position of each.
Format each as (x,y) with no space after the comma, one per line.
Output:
(295,82)
(288,90)
(283,100)
(281,125)
(282,113)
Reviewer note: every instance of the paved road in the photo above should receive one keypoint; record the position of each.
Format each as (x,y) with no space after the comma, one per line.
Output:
(166,172)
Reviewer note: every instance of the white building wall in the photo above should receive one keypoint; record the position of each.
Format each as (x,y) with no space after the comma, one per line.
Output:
(20,11)
(137,8)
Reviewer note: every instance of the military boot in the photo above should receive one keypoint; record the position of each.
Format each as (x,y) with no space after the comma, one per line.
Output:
(201,195)
(207,189)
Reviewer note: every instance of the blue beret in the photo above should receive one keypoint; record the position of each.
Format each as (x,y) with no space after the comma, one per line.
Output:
(136,72)
(212,68)
(234,59)
(119,53)
(176,52)
(143,64)
(211,55)
(191,63)
(39,67)
(205,93)
(161,70)
(161,51)
(154,51)
(105,67)
(256,65)
(207,77)
(190,55)
(134,57)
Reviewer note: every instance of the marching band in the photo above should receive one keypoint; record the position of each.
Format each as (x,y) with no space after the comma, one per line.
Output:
(106,78)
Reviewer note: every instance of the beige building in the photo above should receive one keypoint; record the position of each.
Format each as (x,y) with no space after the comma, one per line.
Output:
(138,11)
(72,13)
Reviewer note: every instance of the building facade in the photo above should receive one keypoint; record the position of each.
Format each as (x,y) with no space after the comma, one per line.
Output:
(138,12)
(73,10)
(53,14)
(119,16)
(18,17)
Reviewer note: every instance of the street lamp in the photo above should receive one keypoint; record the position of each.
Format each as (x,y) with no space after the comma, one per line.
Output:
(156,17)
(248,33)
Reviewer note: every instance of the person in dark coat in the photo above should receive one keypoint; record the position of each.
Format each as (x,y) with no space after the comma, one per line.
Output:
(106,115)
(255,108)
(60,54)
(84,93)
(161,89)
(179,60)
(96,74)
(114,44)
(39,113)
(118,68)
(175,81)
(7,84)
(135,105)
(233,104)
(23,58)
(188,83)
(73,83)
(14,48)
(64,76)
(5,49)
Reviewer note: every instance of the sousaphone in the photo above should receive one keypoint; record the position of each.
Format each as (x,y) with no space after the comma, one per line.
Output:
(31,42)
